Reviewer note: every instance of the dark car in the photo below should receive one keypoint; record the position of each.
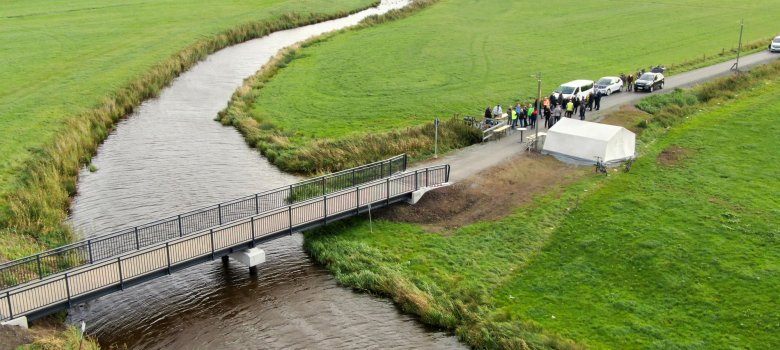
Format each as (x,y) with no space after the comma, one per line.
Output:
(649,82)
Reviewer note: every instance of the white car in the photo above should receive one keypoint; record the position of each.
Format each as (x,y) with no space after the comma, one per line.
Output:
(774,46)
(608,85)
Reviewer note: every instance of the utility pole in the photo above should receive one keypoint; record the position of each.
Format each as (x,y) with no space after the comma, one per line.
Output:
(735,67)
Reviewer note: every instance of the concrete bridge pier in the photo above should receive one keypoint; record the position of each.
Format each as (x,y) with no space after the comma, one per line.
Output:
(250,257)
(417,195)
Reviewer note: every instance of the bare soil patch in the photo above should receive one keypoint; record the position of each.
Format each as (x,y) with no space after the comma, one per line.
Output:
(489,195)
(12,336)
(673,155)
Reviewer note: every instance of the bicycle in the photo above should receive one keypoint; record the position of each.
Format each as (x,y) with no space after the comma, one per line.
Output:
(628,164)
(601,167)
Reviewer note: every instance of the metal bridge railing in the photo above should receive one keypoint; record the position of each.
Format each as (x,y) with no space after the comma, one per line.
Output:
(102,247)
(61,290)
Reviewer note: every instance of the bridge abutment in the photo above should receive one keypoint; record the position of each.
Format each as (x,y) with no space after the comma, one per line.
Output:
(250,257)
(417,195)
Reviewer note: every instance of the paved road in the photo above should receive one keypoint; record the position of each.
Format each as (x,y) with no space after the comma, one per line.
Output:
(471,160)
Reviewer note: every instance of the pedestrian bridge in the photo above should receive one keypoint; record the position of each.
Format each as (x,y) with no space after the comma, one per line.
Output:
(56,279)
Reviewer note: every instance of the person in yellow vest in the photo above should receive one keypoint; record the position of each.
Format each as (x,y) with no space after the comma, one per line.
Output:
(569,108)
(513,112)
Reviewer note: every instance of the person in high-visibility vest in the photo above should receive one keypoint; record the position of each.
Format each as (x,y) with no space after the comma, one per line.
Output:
(513,112)
(569,108)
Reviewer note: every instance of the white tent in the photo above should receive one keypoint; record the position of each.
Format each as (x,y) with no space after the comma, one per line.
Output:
(582,141)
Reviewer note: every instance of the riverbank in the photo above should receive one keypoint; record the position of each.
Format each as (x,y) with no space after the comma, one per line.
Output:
(673,254)
(305,115)
(87,88)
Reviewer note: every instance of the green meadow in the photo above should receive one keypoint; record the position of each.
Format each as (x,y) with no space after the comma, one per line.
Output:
(70,69)
(680,253)
(459,56)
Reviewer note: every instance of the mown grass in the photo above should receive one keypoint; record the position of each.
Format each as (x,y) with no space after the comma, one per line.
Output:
(457,57)
(680,253)
(71,71)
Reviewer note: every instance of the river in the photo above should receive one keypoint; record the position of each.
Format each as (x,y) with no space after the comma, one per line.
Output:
(170,156)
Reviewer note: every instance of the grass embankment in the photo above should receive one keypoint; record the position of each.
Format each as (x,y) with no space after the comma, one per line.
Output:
(458,56)
(680,253)
(70,72)
(282,147)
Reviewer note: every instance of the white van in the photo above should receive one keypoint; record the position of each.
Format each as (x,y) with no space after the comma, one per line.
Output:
(574,88)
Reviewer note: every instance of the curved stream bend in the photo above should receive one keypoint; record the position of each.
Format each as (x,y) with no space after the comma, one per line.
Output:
(170,157)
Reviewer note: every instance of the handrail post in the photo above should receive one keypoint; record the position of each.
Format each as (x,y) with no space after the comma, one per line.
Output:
(323,185)
(121,279)
(168,255)
(416,183)
(381,170)
(426,177)
(357,197)
(40,268)
(252,222)
(219,212)
(10,309)
(353,177)
(405,161)
(387,194)
(257,204)
(181,233)
(211,233)
(67,289)
(137,240)
(89,249)
(289,215)
(325,210)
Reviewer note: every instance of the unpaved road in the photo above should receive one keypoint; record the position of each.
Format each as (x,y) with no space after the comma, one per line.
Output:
(476,158)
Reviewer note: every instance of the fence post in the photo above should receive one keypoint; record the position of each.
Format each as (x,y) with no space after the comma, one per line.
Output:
(416,182)
(257,204)
(40,268)
(67,289)
(252,222)
(211,233)
(181,232)
(89,248)
(290,196)
(447,173)
(10,310)
(137,241)
(387,194)
(426,177)
(289,215)
(323,185)
(357,197)
(219,212)
(353,177)
(121,279)
(168,256)
(381,169)
(325,211)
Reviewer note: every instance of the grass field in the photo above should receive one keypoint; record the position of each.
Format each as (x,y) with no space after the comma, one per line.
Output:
(459,56)
(71,68)
(680,253)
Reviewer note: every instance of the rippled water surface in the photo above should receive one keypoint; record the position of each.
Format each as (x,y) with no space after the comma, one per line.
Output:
(170,156)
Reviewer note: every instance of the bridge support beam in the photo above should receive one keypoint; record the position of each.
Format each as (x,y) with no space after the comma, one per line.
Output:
(20,322)
(250,257)
(417,195)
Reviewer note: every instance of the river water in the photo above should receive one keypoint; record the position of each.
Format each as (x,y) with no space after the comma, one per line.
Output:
(170,156)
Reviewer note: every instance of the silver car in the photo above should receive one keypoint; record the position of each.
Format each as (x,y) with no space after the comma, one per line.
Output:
(608,85)
(774,46)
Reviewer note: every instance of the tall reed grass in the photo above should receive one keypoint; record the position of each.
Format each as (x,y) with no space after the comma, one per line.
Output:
(37,205)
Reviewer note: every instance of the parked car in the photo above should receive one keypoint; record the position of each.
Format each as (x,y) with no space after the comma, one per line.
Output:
(774,46)
(574,88)
(608,85)
(649,82)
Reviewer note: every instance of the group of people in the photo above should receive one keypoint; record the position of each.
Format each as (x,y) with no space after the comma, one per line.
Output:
(628,80)
(552,109)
